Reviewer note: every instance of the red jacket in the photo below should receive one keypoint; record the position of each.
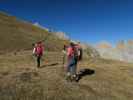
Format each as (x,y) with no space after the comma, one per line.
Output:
(70,52)
(39,50)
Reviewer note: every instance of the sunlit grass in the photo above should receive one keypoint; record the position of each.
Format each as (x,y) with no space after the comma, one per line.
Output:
(21,80)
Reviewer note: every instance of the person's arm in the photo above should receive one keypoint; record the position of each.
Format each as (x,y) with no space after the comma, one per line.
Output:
(69,51)
(34,50)
(64,51)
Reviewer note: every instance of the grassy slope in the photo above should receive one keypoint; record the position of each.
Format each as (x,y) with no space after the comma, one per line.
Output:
(18,35)
(20,80)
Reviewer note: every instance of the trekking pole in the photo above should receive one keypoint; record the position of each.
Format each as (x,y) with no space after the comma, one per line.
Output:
(46,37)
(64,51)
(63,59)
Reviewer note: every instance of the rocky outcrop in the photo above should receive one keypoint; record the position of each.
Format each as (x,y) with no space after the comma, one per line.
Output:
(61,35)
(40,26)
(89,51)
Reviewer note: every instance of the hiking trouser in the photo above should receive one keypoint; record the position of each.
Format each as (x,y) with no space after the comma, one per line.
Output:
(38,60)
(76,62)
(72,66)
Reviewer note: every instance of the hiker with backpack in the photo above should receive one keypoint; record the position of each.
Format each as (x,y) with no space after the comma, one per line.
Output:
(38,52)
(74,55)
(71,62)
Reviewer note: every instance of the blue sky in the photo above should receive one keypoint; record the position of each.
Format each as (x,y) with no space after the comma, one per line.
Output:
(90,21)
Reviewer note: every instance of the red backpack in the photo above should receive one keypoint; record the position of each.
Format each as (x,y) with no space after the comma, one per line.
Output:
(72,51)
(39,50)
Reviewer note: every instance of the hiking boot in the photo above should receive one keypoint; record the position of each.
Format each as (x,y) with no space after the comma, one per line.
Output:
(38,66)
(68,77)
(73,78)
(77,78)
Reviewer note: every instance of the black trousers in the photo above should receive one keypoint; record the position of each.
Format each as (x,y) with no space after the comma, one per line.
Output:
(38,60)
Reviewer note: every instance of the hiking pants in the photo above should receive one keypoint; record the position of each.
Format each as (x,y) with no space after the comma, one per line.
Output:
(72,66)
(38,60)
(76,62)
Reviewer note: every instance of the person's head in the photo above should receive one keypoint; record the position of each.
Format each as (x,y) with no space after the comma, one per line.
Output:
(35,45)
(72,44)
(78,42)
(39,43)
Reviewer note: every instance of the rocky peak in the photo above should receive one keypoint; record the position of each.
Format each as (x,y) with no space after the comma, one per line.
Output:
(61,35)
(104,45)
(120,45)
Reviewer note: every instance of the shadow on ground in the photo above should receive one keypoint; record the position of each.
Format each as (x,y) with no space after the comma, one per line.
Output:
(53,64)
(84,72)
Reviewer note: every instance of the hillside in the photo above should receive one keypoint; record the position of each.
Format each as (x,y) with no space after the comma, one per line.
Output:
(16,34)
(21,80)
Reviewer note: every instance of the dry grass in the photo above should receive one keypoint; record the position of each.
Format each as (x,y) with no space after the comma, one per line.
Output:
(21,80)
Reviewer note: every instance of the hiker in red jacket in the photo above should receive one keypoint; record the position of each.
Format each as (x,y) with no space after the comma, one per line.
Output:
(38,52)
(74,55)
(71,62)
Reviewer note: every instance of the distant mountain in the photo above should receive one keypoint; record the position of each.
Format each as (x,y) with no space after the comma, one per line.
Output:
(123,51)
(104,44)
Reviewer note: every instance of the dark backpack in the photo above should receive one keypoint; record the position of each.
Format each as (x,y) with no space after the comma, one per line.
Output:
(75,52)
(78,53)
(81,54)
